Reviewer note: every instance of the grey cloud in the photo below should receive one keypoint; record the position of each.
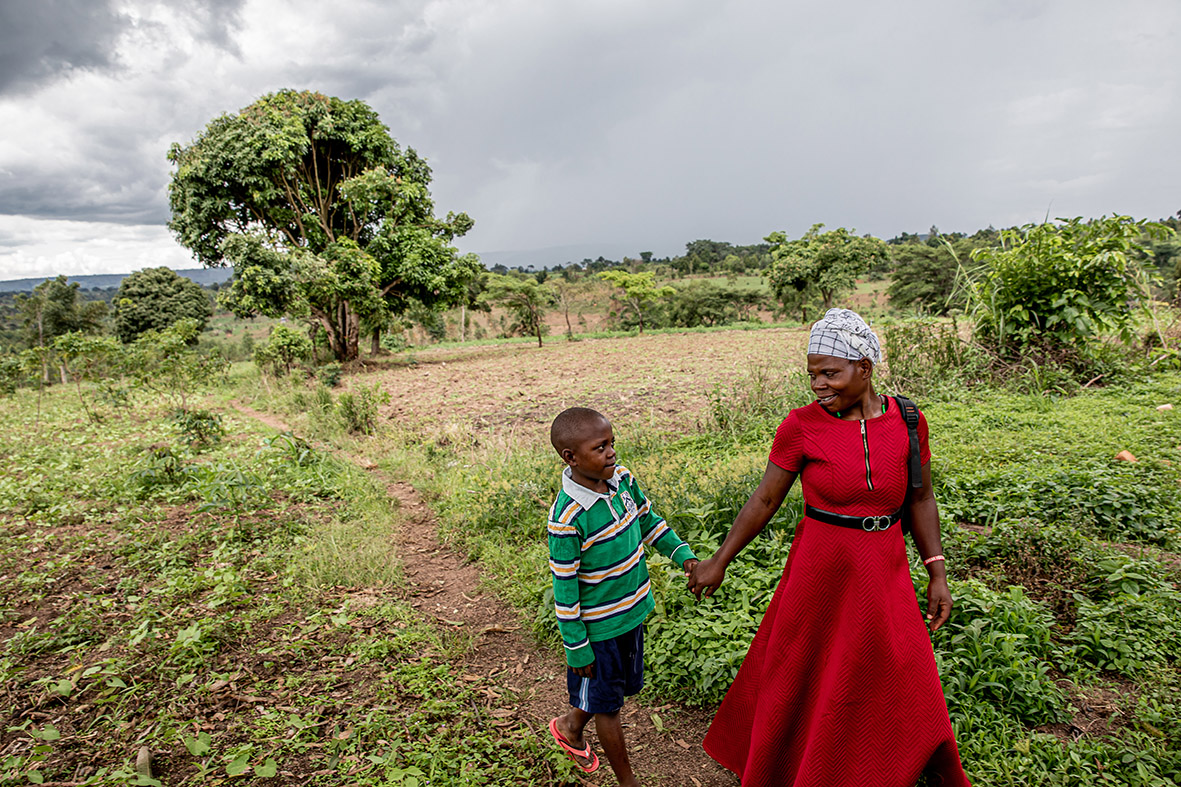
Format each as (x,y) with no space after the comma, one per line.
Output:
(43,39)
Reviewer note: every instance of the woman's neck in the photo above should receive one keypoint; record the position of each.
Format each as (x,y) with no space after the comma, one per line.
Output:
(870,405)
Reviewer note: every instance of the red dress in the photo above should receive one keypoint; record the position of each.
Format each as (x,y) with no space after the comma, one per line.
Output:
(840,686)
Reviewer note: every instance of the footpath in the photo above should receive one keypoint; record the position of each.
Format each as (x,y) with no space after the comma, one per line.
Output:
(521,681)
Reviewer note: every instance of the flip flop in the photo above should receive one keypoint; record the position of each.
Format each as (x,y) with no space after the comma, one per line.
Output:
(573,752)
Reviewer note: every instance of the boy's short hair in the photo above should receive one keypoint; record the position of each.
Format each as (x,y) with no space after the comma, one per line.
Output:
(570,424)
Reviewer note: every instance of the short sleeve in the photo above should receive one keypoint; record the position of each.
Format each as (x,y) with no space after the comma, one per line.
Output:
(924,445)
(787,450)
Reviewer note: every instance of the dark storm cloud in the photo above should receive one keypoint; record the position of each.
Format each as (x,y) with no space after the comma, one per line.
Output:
(43,39)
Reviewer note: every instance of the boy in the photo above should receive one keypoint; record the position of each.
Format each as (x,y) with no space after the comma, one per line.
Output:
(597,530)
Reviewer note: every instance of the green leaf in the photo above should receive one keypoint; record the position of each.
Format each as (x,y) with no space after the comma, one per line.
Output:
(35,777)
(267,769)
(47,733)
(239,765)
(199,746)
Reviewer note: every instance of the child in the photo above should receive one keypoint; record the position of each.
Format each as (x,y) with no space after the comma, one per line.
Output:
(597,530)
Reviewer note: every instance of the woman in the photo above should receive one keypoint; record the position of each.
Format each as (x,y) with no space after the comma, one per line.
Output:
(840,686)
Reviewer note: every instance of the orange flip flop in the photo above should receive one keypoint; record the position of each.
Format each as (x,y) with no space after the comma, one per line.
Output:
(574,753)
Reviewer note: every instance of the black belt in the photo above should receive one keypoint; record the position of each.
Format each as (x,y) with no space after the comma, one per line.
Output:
(867,523)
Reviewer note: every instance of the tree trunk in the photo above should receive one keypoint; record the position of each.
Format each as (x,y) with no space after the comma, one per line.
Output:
(463,322)
(566,312)
(375,348)
(344,333)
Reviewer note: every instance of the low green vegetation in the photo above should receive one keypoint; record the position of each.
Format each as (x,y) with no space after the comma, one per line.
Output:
(227,598)
(1060,661)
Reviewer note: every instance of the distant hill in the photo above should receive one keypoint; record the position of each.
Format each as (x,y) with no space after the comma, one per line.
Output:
(523,259)
(203,276)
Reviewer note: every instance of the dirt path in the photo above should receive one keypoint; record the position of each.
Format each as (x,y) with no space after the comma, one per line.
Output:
(520,680)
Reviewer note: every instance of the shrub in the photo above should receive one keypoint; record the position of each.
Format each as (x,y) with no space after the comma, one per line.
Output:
(927,358)
(358,408)
(1058,286)
(330,373)
(283,348)
(198,428)
(996,648)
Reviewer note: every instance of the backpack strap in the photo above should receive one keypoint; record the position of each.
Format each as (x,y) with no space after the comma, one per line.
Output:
(910,413)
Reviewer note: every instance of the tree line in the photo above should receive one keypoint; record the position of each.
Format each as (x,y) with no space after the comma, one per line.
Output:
(327,221)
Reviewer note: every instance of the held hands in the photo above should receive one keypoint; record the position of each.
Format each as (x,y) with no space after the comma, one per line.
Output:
(938,602)
(705,575)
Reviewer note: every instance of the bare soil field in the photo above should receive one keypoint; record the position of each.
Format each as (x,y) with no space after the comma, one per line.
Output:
(662,381)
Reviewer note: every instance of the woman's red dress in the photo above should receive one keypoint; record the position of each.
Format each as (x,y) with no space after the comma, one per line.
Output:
(840,686)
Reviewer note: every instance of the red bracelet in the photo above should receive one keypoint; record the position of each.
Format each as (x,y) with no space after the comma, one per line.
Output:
(933,559)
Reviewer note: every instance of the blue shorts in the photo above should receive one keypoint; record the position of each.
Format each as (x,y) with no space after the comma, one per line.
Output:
(619,673)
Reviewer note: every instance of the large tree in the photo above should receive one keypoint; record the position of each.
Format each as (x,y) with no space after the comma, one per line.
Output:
(827,263)
(322,214)
(56,307)
(639,290)
(526,298)
(154,298)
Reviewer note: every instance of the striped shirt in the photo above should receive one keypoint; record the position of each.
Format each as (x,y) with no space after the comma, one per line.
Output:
(596,549)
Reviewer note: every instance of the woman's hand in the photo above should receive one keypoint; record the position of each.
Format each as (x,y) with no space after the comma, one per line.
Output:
(706,576)
(938,602)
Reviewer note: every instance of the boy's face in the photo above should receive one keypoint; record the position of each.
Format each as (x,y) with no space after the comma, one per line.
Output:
(592,457)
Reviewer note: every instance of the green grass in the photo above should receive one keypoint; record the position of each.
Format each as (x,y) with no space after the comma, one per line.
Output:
(236,609)
(1067,589)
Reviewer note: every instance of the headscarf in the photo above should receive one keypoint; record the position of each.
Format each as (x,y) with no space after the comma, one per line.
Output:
(842,333)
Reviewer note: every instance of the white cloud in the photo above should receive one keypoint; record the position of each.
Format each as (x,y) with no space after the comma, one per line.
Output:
(41,247)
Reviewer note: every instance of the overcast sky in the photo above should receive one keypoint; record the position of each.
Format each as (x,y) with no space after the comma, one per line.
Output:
(620,124)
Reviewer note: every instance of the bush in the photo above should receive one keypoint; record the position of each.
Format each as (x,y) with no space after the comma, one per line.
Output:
(1057,287)
(198,428)
(283,348)
(996,648)
(358,408)
(927,358)
(330,373)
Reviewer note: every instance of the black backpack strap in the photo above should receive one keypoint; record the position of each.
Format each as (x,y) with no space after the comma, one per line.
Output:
(910,413)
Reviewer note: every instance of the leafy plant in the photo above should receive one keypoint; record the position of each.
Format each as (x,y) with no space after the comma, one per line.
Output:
(282,349)
(358,408)
(198,428)
(1058,286)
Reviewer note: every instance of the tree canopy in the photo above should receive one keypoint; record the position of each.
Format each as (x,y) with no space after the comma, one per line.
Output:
(56,307)
(320,211)
(825,263)
(154,298)
(525,297)
(639,290)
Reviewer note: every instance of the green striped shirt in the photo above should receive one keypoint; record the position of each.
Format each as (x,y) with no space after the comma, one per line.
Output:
(596,556)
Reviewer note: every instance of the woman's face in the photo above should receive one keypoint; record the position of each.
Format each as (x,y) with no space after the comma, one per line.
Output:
(838,382)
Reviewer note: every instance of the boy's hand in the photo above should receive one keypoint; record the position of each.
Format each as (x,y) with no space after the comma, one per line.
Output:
(585,672)
(688,566)
(706,576)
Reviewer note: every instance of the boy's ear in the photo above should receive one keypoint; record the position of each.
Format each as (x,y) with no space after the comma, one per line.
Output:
(567,455)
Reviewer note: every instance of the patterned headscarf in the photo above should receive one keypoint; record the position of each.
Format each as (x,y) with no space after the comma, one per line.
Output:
(843,334)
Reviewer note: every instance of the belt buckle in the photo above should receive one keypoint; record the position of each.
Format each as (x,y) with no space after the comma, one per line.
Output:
(871,524)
